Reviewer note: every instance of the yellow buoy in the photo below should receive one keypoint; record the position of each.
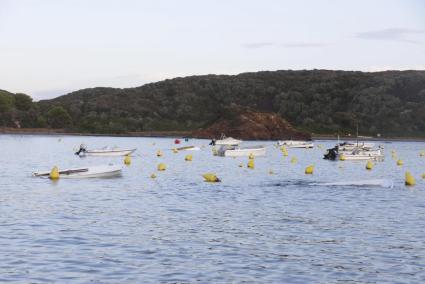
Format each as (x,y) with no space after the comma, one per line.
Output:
(188,158)
(175,151)
(251,156)
(309,170)
(423,175)
(400,162)
(153,175)
(250,164)
(54,173)
(284,151)
(209,177)
(409,179)
(369,165)
(159,153)
(162,167)
(127,160)
(342,157)
(422,154)
(294,160)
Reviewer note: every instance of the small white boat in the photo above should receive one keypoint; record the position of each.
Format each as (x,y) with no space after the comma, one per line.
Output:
(228,141)
(361,154)
(350,146)
(105,152)
(296,144)
(87,172)
(236,151)
(188,148)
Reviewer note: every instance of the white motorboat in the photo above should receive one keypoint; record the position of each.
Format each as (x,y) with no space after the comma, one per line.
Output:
(296,144)
(236,151)
(86,172)
(354,151)
(105,152)
(361,154)
(228,141)
(350,146)
(225,141)
(188,148)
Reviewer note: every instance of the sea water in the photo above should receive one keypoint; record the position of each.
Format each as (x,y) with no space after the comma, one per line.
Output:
(341,224)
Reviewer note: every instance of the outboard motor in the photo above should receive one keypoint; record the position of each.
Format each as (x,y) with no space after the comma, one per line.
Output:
(331,154)
(212,143)
(82,150)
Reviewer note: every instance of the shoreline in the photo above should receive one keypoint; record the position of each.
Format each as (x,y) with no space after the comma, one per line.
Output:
(62,132)
(180,134)
(350,138)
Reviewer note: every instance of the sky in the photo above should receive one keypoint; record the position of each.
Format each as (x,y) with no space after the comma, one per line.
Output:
(51,47)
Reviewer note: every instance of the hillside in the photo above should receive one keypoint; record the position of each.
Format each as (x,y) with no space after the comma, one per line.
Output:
(18,110)
(391,103)
(242,124)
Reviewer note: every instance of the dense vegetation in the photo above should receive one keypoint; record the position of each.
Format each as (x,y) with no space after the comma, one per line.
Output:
(321,101)
(18,110)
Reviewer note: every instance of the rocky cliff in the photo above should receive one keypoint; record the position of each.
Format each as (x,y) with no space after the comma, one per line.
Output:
(252,125)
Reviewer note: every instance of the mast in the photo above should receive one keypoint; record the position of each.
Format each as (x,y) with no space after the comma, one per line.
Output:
(357,133)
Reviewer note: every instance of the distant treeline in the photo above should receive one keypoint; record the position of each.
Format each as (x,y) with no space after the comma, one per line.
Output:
(391,103)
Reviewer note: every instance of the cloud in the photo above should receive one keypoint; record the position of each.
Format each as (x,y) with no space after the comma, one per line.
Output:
(302,44)
(392,34)
(254,45)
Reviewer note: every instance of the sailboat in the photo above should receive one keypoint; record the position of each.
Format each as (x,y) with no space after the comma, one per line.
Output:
(354,151)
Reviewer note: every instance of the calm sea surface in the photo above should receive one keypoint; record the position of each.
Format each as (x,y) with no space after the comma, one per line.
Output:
(253,227)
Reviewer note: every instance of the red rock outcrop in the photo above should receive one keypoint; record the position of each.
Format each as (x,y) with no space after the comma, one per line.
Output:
(249,125)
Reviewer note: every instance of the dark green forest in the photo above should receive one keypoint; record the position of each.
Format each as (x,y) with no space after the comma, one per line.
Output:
(391,103)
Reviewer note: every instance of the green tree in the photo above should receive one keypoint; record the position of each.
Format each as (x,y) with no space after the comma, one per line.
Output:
(6,102)
(58,117)
(23,102)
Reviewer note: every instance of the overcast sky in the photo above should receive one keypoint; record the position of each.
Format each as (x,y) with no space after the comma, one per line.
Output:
(51,47)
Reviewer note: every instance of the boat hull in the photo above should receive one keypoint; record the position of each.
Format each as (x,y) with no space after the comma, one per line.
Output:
(89,172)
(243,152)
(362,158)
(363,155)
(108,153)
(188,148)
(306,146)
(296,144)
(228,142)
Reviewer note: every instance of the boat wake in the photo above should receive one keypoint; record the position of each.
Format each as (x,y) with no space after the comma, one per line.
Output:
(384,183)
(361,183)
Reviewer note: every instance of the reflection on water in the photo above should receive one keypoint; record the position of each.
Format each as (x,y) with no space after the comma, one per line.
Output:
(254,227)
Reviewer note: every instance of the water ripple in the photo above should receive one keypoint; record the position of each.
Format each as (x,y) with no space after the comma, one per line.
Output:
(251,228)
